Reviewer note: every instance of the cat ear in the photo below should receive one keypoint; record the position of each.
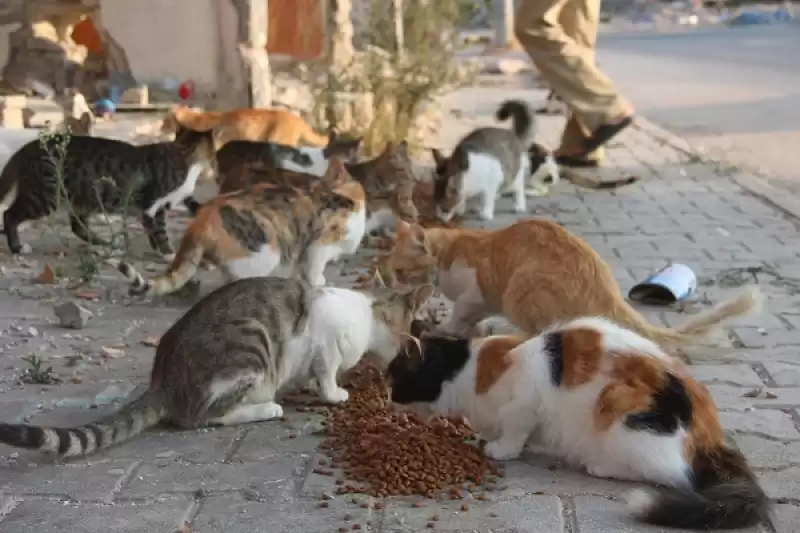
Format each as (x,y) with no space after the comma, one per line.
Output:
(420,295)
(85,122)
(438,157)
(402,227)
(412,346)
(336,174)
(376,281)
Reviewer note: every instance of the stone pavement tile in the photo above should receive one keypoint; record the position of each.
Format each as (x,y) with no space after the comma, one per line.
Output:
(761,338)
(162,446)
(95,481)
(294,435)
(59,517)
(536,473)
(270,477)
(774,423)
(768,454)
(235,514)
(746,399)
(526,514)
(786,518)
(781,484)
(599,515)
(784,374)
(742,375)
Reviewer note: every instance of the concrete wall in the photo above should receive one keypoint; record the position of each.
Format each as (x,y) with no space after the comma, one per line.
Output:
(166,38)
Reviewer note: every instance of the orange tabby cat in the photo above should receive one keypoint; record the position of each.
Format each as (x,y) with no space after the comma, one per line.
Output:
(537,274)
(275,125)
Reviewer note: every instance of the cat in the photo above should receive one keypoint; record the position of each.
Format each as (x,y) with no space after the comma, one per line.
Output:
(388,182)
(486,163)
(266,228)
(600,396)
(102,175)
(535,273)
(238,155)
(227,360)
(275,125)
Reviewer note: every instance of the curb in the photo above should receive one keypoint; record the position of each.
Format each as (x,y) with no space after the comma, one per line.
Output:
(748,180)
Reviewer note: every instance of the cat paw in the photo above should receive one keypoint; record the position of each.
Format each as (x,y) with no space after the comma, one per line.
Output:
(272,410)
(338,395)
(486,216)
(497,451)
(520,209)
(168,257)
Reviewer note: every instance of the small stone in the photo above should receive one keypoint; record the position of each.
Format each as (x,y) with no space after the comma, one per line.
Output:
(116,471)
(31,332)
(72,315)
(150,341)
(164,455)
(108,351)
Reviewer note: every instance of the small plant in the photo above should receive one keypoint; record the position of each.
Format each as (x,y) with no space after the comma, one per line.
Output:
(56,145)
(407,58)
(37,373)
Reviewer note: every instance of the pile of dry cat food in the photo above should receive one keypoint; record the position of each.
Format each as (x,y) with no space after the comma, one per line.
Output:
(385,453)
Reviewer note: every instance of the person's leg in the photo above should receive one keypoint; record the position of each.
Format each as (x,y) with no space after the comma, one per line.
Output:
(567,63)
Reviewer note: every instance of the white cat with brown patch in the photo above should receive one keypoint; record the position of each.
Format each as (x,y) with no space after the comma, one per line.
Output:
(600,396)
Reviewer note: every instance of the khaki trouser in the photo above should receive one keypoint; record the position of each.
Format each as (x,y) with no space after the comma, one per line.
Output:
(560,36)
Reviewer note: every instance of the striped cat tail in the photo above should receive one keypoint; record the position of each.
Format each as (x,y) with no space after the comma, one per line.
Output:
(182,269)
(726,496)
(144,412)
(521,118)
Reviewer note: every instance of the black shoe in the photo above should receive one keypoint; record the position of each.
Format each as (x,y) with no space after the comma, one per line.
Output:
(577,161)
(605,133)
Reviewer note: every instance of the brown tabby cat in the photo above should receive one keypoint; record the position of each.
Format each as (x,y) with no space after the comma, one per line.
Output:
(292,221)
(276,125)
(229,357)
(537,274)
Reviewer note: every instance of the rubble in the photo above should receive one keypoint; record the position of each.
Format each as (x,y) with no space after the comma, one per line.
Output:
(72,315)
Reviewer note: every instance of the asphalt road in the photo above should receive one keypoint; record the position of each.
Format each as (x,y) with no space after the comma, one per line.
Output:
(730,90)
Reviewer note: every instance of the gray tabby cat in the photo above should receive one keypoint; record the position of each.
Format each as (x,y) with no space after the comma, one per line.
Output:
(225,361)
(486,163)
(102,175)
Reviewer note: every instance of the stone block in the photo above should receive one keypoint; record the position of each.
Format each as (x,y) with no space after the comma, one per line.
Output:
(742,375)
(784,484)
(527,514)
(774,423)
(769,454)
(785,518)
(56,517)
(12,111)
(94,481)
(784,374)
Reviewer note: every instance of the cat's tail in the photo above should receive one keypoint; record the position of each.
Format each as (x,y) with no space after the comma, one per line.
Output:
(144,412)
(181,270)
(727,496)
(697,327)
(521,118)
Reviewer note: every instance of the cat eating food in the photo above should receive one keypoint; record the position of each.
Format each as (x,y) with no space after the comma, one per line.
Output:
(535,273)
(229,357)
(602,397)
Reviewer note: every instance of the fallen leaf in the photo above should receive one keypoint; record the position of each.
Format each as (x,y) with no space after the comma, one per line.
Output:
(150,341)
(108,351)
(87,294)
(47,275)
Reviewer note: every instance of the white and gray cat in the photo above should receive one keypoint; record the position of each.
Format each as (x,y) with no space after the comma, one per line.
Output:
(229,357)
(490,161)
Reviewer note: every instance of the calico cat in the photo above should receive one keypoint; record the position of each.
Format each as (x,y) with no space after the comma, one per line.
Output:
(486,163)
(388,182)
(101,174)
(275,125)
(233,353)
(238,156)
(535,273)
(600,396)
(291,223)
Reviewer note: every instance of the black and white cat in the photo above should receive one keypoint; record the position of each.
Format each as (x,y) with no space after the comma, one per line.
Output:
(488,162)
